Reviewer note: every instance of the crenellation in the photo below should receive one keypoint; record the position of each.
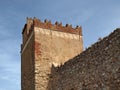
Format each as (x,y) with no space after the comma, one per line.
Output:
(56,23)
(47,21)
(32,23)
(47,24)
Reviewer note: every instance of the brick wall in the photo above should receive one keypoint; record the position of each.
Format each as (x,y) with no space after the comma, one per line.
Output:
(97,68)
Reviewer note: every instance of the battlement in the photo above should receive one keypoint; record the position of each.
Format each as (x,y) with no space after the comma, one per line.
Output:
(57,26)
(33,23)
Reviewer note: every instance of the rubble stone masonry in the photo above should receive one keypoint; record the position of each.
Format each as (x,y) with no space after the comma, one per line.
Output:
(97,68)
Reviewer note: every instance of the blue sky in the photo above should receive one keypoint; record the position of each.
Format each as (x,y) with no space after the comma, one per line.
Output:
(97,17)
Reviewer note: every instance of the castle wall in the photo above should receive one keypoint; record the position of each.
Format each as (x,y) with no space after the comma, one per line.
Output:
(53,48)
(97,68)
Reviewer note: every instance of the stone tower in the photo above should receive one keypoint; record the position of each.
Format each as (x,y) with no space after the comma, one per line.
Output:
(45,44)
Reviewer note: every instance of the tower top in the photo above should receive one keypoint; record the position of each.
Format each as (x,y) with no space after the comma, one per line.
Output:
(34,22)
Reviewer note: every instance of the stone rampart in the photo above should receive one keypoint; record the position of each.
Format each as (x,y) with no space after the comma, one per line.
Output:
(97,68)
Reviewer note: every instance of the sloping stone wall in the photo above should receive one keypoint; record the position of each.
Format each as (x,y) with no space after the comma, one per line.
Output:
(97,68)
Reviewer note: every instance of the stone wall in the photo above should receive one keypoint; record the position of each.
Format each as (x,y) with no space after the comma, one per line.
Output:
(97,68)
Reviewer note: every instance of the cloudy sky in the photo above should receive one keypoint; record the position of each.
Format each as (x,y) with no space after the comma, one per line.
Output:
(97,17)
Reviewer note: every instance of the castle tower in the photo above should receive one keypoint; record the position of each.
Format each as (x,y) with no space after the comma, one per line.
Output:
(45,44)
